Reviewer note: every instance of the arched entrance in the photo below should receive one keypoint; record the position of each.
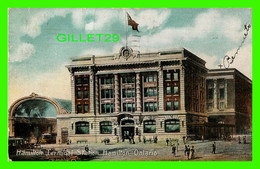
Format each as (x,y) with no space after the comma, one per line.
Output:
(127,128)
(31,116)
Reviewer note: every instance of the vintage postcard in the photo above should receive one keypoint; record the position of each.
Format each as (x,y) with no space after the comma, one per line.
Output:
(162,84)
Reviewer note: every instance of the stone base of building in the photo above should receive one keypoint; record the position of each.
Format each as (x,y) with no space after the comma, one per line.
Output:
(81,129)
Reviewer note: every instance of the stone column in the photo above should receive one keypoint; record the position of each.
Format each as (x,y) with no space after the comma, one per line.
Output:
(138,93)
(215,95)
(97,94)
(182,88)
(72,86)
(160,90)
(91,91)
(225,81)
(117,96)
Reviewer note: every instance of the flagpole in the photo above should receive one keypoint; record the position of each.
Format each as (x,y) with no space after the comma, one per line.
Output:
(126,30)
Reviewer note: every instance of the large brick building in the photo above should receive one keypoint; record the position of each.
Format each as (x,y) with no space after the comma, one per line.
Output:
(134,94)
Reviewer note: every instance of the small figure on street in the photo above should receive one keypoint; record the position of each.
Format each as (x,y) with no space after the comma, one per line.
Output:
(214,148)
(86,149)
(244,139)
(174,150)
(117,139)
(144,139)
(59,141)
(167,141)
(155,139)
(188,152)
(133,140)
(239,140)
(185,150)
(183,139)
(192,152)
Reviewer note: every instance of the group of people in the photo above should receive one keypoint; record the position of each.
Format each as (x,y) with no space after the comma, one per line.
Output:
(189,152)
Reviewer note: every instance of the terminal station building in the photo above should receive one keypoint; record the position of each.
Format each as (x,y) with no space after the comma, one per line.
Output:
(167,94)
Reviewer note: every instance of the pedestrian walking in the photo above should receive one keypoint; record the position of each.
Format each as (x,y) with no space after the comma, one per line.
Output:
(244,139)
(188,152)
(214,148)
(239,140)
(144,139)
(174,150)
(185,150)
(167,141)
(86,149)
(192,152)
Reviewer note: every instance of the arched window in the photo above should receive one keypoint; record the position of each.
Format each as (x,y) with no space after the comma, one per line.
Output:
(105,127)
(82,127)
(149,126)
(172,125)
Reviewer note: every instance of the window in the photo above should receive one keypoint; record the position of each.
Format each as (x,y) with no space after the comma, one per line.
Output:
(107,80)
(105,127)
(82,128)
(175,76)
(149,126)
(172,125)
(168,105)
(128,93)
(79,94)
(86,108)
(176,105)
(150,78)
(85,80)
(221,105)
(150,92)
(129,107)
(82,80)
(78,80)
(210,106)
(85,94)
(107,93)
(210,93)
(79,108)
(107,108)
(168,90)
(128,79)
(221,93)
(176,90)
(150,106)
(168,76)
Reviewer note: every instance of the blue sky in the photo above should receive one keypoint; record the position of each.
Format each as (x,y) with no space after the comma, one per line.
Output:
(37,59)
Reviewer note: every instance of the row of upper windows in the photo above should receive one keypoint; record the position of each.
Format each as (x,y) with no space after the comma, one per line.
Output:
(149,126)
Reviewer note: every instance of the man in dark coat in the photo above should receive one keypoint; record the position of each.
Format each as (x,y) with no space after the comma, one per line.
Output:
(174,150)
(214,148)
(188,152)
(167,141)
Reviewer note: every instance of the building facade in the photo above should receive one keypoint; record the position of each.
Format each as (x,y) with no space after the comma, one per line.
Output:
(132,94)
(229,99)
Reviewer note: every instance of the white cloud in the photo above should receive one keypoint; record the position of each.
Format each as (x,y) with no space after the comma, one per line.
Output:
(24,51)
(102,18)
(33,27)
(243,60)
(211,22)
(211,61)
(152,18)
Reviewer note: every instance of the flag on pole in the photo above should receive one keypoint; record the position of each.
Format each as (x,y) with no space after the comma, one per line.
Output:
(132,23)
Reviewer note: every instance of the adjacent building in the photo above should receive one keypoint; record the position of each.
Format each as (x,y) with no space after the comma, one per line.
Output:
(229,99)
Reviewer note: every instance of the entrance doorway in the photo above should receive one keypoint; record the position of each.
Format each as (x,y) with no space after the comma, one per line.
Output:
(127,129)
(127,132)
(64,135)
